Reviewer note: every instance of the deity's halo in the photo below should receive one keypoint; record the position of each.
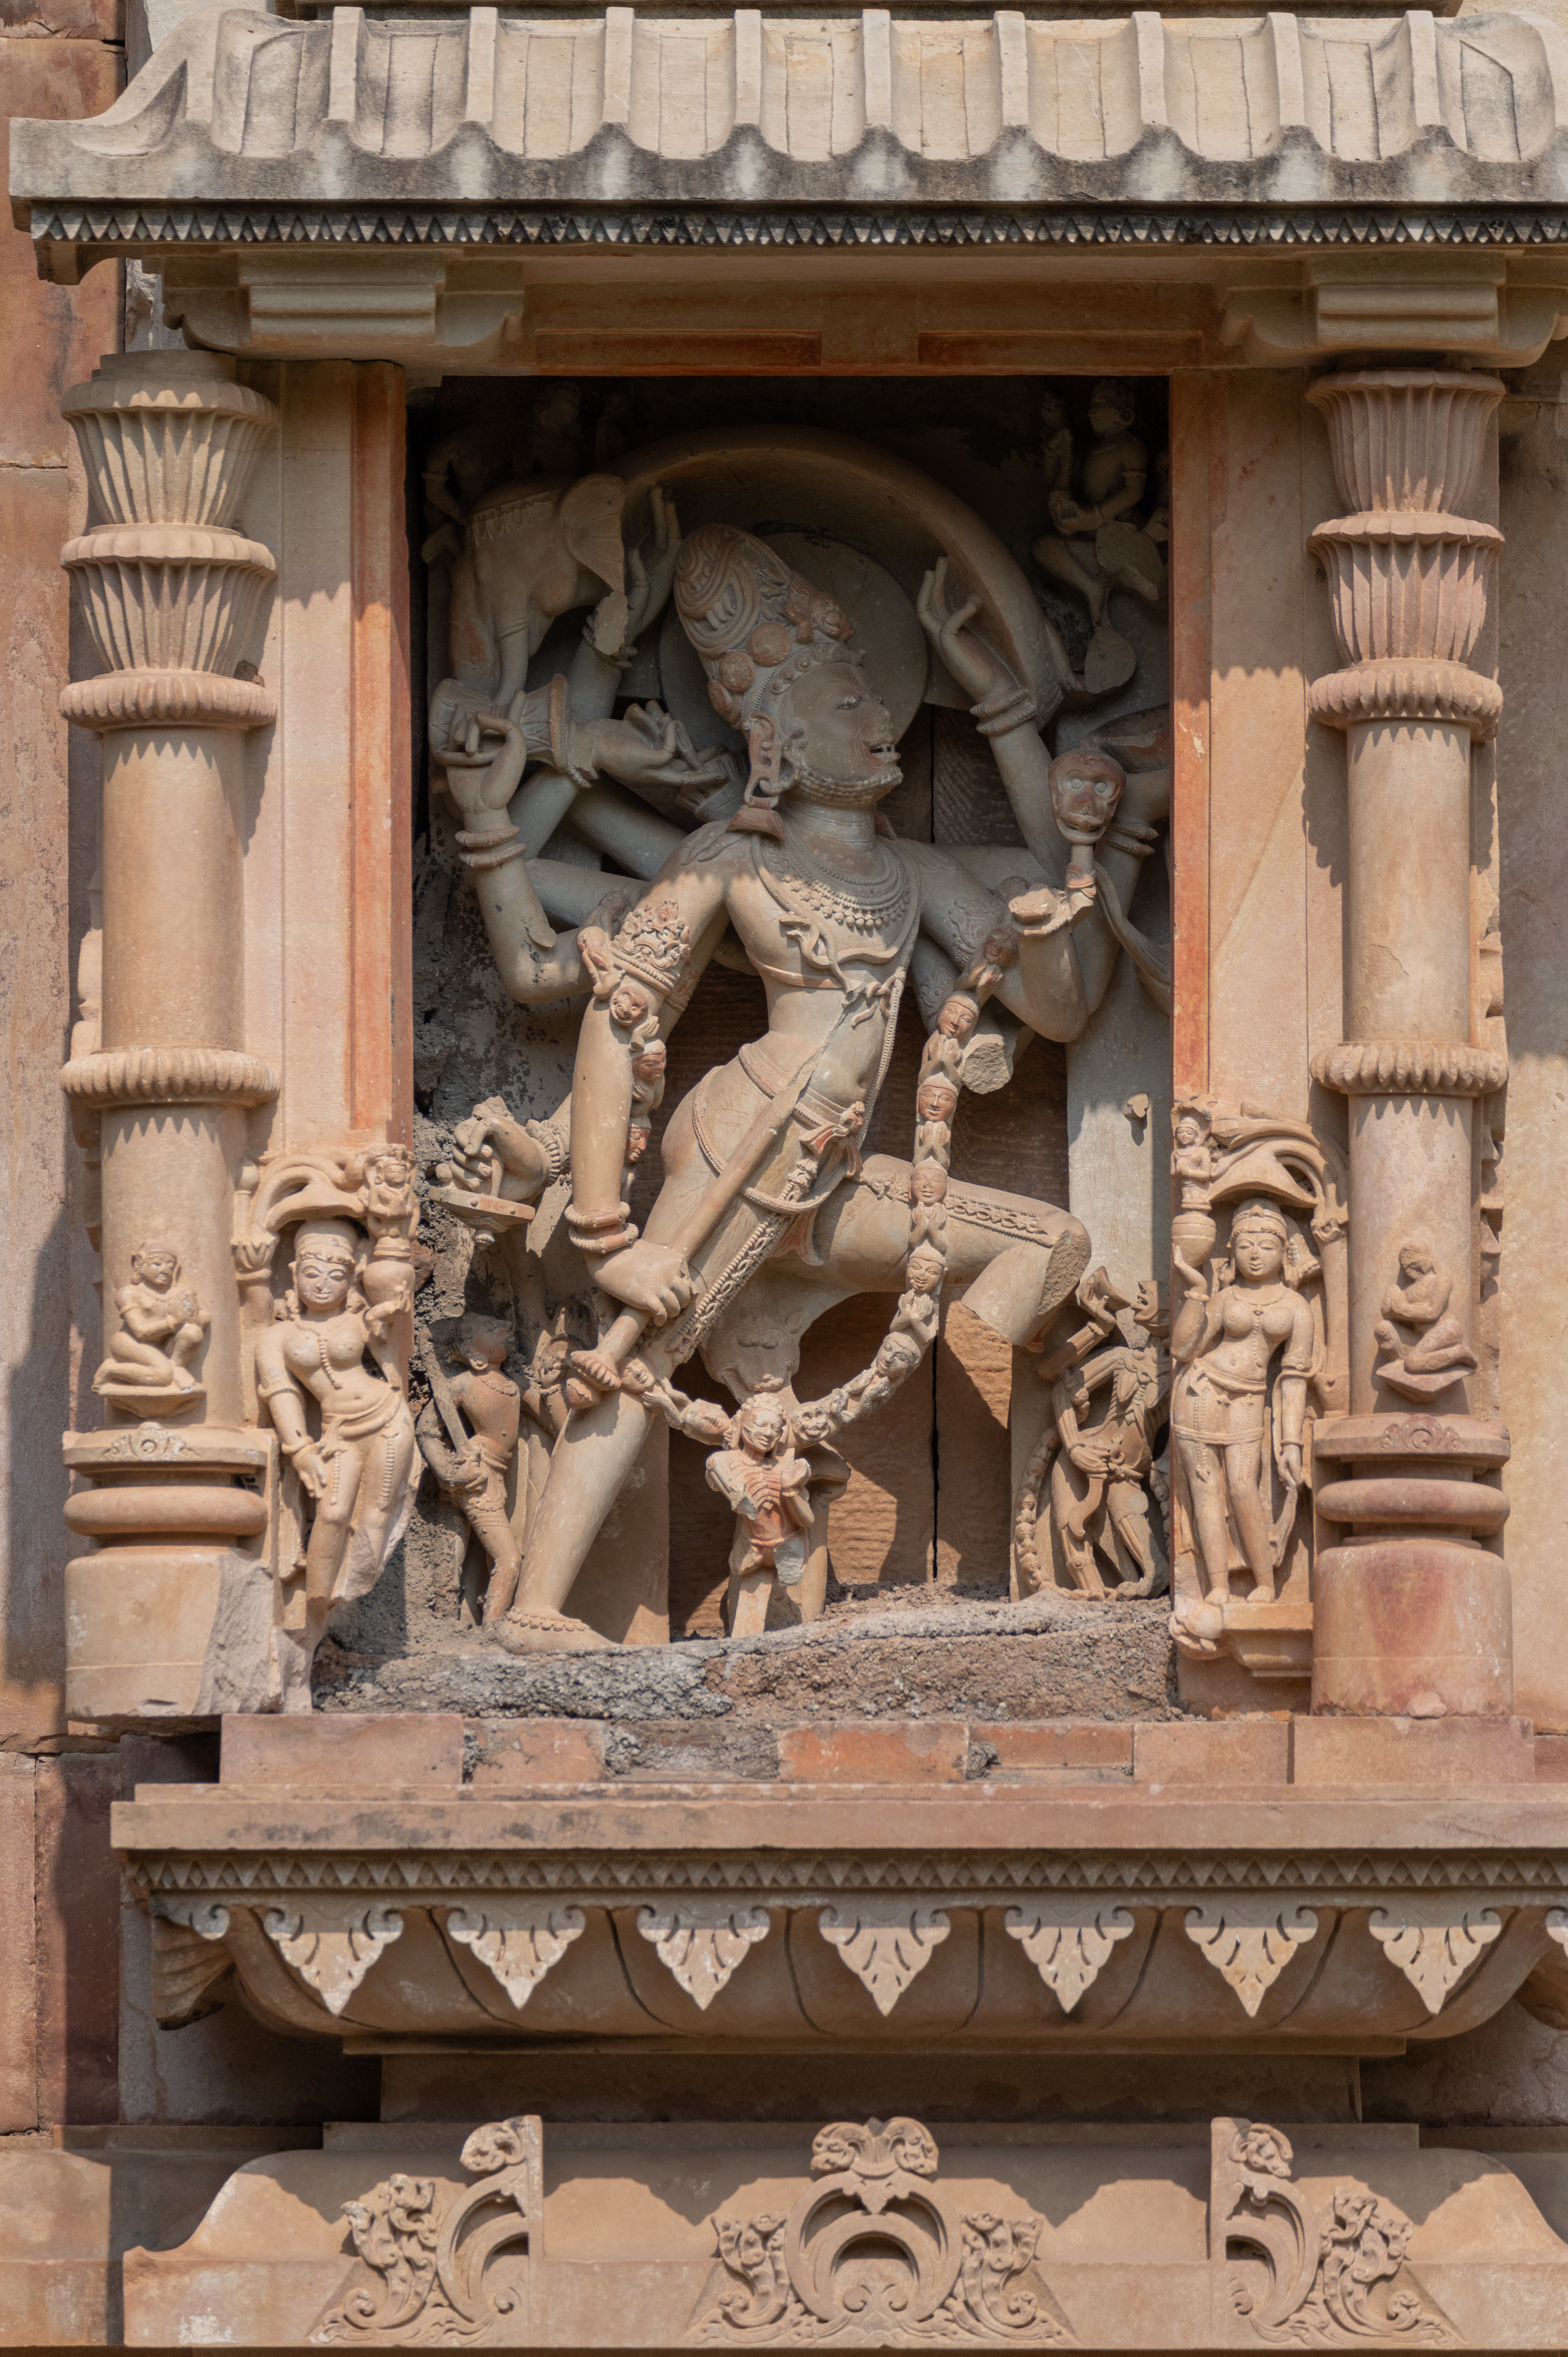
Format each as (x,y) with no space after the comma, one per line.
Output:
(800,484)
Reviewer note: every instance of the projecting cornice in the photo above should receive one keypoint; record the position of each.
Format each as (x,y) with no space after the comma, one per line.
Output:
(238,109)
(300,149)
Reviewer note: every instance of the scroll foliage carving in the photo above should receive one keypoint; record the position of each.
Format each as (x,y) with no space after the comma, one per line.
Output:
(876,2254)
(1312,2279)
(442,2274)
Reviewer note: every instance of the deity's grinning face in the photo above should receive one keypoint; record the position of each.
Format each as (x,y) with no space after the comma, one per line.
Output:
(1258,1253)
(1188,1131)
(157,1269)
(844,734)
(322,1279)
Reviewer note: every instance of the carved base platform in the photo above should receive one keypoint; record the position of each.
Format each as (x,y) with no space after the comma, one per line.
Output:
(868,1900)
(519,2232)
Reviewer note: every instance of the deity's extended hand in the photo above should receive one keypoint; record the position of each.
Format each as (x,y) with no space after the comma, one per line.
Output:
(480,779)
(980,672)
(648,746)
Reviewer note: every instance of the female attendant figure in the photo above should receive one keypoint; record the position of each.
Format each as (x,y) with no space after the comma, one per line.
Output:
(359,1471)
(1221,1415)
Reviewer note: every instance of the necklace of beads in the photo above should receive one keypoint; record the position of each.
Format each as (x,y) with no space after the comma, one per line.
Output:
(863,904)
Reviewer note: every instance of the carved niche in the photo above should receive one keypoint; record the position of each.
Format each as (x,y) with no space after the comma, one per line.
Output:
(690,754)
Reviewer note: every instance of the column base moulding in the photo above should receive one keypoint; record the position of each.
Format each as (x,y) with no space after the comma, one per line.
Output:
(1391,689)
(1375,1067)
(168,699)
(1413,1616)
(134,1076)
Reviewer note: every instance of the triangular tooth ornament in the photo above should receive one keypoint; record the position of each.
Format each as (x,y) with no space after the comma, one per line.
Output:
(1067,1940)
(701,1942)
(332,1945)
(1433,1942)
(1249,1942)
(517,1939)
(885,1943)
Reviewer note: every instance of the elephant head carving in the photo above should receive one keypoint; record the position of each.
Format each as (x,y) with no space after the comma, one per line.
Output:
(533,551)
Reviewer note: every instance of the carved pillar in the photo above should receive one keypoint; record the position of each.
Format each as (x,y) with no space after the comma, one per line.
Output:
(1412,1614)
(170,594)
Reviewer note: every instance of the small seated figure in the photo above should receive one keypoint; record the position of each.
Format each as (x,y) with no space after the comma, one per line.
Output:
(160,1330)
(1097,545)
(768,1486)
(1435,1353)
(475,1476)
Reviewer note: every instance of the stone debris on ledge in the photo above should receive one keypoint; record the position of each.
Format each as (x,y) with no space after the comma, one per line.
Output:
(1063,1657)
(237,109)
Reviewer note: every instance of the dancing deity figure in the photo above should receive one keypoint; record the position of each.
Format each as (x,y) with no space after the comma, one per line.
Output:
(767,1211)
(1228,1433)
(359,1471)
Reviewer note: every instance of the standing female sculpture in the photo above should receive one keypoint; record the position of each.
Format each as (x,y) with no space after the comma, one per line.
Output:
(359,1472)
(1222,1418)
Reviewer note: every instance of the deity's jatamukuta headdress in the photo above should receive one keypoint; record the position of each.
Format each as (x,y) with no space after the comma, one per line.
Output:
(758,628)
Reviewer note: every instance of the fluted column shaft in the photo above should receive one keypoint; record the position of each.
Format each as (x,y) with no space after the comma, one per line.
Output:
(1411,1612)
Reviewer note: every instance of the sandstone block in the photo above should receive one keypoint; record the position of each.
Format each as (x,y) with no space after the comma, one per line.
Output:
(77,1939)
(1223,1751)
(540,1751)
(416,1753)
(1467,1751)
(1066,1752)
(922,1752)
(19,2052)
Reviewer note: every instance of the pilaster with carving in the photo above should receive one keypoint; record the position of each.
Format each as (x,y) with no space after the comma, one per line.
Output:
(1411,1611)
(170,593)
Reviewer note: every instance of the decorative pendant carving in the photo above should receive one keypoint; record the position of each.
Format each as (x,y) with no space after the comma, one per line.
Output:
(437,2272)
(885,1945)
(702,1945)
(1069,1942)
(1434,1943)
(1249,1942)
(518,1940)
(876,2255)
(1325,2279)
(332,1948)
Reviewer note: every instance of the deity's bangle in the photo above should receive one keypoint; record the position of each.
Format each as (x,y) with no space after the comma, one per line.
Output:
(485,838)
(1017,711)
(554,1143)
(597,1233)
(510,847)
